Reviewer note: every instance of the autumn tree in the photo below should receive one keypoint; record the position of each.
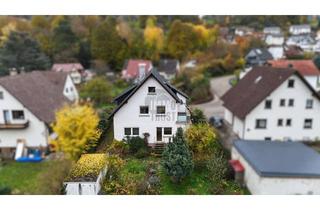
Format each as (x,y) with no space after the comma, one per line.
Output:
(21,51)
(76,128)
(65,42)
(107,45)
(202,140)
(99,90)
(182,40)
(154,38)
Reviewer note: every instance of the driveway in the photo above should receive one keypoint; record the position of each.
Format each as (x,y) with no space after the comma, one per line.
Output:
(218,86)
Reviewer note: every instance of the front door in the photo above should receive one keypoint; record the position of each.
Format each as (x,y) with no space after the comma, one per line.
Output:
(6,115)
(159,134)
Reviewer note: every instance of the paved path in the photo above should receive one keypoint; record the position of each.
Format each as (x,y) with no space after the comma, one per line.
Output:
(218,86)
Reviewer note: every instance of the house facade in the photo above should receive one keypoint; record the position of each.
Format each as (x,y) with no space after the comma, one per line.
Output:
(258,56)
(306,68)
(135,70)
(273,104)
(274,39)
(272,30)
(75,70)
(27,107)
(151,108)
(300,29)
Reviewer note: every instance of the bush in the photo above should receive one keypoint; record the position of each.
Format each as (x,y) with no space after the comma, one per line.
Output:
(4,190)
(217,167)
(197,116)
(135,144)
(118,148)
(202,140)
(115,164)
(51,181)
(177,159)
(142,153)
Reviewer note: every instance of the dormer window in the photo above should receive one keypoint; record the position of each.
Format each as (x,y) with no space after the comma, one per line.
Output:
(291,83)
(151,90)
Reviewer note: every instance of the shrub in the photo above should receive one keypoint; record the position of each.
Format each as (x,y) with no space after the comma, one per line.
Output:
(177,159)
(115,164)
(4,190)
(217,167)
(51,181)
(118,148)
(88,167)
(197,116)
(142,153)
(202,140)
(135,144)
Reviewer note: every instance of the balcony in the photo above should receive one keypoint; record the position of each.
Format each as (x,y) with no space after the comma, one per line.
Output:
(14,125)
(183,118)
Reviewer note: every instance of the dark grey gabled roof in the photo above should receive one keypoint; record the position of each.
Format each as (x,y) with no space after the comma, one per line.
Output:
(168,66)
(126,95)
(262,53)
(280,159)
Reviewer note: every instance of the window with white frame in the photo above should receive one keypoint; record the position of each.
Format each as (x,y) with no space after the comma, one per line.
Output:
(131,131)
(291,83)
(291,102)
(17,115)
(1,95)
(268,104)
(282,102)
(167,131)
(144,109)
(161,109)
(151,90)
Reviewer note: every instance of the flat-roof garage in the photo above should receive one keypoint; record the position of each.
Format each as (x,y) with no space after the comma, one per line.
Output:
(274,167)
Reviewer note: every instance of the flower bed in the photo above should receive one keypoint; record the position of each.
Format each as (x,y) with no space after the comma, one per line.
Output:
(88,167)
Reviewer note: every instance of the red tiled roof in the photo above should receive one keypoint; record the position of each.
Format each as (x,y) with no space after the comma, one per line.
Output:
(305,67)
(131,70)
(67,67)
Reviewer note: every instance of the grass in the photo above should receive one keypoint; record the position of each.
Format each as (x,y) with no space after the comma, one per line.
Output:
(134,171)
(22,178)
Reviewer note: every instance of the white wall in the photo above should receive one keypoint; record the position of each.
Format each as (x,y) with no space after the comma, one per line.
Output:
(35,134)
(258,185)
(129,114)
(313,81)
(70,90)
(300,93)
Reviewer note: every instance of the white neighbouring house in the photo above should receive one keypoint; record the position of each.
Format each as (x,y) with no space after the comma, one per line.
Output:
(27,107)
(306,68)
(300,29)
(277,168)
(75,70)
(151,106)
(273,104)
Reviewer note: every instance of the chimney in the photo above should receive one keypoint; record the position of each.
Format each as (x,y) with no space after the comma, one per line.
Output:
(142,71)
(13,72)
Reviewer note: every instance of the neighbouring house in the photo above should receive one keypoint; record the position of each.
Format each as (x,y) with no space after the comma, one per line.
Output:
(272,30)
(306,42)
(293,51)
(243,31)
(300,29)
(27,107)
(135,70)
(75,70)
(190,64)
(274,39)
(152,108)
(258,56)
(168,68)
(277,52)
(273,104)
(276,168)
(306,68)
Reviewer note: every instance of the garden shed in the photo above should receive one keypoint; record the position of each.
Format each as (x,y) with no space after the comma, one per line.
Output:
(275,167)
(87,175)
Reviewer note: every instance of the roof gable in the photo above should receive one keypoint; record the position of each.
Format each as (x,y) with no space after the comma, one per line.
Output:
(131,67)
(124,97)
(305,67)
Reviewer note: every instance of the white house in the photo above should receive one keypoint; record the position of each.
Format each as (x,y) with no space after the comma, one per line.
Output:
(27,107)
(306,42)
(273,104)
(243,31)
(168,68)
(274,39)
(300,29)
(277,168)
(306,68)
(272,30)
(277,52)
(150,108)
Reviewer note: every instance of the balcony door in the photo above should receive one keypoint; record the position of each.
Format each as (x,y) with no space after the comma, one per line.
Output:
(159,134)
(6,116)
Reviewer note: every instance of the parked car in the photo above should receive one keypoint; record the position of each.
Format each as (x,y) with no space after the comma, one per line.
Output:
(216,121)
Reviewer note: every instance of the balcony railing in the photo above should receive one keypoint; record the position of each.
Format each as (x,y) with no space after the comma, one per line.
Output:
(14,125)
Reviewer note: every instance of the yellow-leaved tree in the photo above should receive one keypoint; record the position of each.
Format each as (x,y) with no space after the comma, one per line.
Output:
(154,38)
(77,129)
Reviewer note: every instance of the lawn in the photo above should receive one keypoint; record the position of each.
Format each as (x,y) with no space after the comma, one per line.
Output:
(134,171)
(22,178)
